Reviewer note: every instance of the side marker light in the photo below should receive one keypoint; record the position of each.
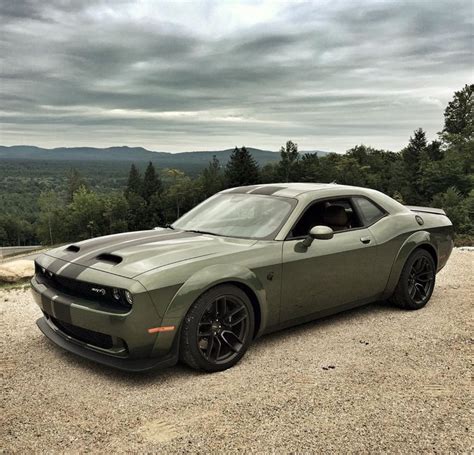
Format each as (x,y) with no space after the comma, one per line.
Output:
(166,328)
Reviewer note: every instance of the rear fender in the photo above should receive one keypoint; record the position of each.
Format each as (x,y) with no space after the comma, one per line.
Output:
(411,243)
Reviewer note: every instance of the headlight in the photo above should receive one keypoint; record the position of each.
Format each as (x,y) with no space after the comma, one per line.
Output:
(122,296)
(128,297)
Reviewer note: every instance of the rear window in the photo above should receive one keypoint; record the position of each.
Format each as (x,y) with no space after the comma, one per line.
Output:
(368,210)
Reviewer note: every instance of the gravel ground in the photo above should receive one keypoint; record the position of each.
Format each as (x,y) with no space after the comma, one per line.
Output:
(376,379)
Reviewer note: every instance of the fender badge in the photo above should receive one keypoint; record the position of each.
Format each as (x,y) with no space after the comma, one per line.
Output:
(419,220)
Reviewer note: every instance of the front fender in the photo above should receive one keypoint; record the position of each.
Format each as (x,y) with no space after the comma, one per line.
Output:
(409,245)
(209,277)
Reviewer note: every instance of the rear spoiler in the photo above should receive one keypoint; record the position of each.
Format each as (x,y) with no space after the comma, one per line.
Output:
(414,208)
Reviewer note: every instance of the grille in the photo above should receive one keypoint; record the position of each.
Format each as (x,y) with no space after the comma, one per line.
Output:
(98,339)
(81,289)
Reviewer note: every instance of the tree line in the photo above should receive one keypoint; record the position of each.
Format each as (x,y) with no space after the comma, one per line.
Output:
(437,173)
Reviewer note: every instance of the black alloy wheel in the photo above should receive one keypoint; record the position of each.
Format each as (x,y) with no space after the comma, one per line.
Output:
(218,329)
(421,280)
(223,328)
(416,282)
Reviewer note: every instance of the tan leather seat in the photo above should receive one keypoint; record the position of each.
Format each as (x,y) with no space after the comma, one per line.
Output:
(336,218)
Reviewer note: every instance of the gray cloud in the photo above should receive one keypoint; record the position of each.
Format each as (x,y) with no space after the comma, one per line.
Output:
(175,76)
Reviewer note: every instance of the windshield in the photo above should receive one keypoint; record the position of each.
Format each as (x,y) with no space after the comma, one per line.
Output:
(238,215)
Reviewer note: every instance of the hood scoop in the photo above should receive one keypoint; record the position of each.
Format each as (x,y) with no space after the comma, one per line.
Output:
(73,248)
(109,258)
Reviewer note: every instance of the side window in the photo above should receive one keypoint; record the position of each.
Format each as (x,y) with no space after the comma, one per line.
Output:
(368,210)
(338,214)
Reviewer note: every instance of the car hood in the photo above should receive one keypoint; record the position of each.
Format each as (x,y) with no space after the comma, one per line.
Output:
(133,253)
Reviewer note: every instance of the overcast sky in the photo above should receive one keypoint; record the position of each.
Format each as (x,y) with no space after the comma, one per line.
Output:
(177,76)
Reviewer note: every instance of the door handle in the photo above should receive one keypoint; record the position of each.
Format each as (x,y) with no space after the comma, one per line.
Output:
(365,240)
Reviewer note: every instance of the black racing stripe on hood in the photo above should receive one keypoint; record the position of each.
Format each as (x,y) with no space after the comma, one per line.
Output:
(60,265)
(111,247)
(109,243)
(56,265)
(98,242)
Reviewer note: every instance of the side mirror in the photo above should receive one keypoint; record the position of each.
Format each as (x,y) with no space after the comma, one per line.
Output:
(320,233)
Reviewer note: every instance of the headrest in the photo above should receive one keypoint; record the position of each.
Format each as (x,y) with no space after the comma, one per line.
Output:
(335,215)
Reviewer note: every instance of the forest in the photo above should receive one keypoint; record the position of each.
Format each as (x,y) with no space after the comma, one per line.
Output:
(437,173)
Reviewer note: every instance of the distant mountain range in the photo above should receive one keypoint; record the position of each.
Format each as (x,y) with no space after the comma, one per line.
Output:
(132,154)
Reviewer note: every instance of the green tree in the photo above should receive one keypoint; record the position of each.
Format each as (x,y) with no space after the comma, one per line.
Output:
(350,172)
(310,168)
(177,191)
(86,215)
(50,225)
(137,212)
(434,151)
(376,165)
(288,166)
(115,212)
(151,183)
(212,178)
(328,168)
(438,176)
(412,157)
(458,117)
(242,169)
(269,173)
(134,182)
(457,209)
(15,230)
(74,182)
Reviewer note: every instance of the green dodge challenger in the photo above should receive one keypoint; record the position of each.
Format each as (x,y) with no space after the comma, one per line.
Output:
(245,262)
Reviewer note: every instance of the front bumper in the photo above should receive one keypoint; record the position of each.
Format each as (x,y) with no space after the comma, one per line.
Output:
(133,365)
(115,337)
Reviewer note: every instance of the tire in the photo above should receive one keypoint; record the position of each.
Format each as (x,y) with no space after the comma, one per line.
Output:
(416,282)
(217,329)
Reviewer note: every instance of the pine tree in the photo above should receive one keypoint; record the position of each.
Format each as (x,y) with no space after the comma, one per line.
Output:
(289,162)
(134,183)
(242,169)
(412,156)
(212,179)
(151,183)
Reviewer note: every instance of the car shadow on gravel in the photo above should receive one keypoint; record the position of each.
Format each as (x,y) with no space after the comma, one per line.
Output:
(180,371)
(125,377)
(359,313)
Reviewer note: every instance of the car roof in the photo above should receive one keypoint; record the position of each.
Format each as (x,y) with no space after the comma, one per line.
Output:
(292,189)
(306,192)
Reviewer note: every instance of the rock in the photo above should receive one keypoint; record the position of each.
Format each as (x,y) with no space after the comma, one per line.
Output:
(14,271)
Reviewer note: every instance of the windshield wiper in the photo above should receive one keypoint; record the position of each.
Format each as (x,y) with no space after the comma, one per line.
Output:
(196,231)
(168,226)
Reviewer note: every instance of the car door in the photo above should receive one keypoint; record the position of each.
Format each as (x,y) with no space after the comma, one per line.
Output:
(329,273)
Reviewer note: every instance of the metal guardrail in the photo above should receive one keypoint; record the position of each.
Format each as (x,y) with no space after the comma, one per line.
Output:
(6,251)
